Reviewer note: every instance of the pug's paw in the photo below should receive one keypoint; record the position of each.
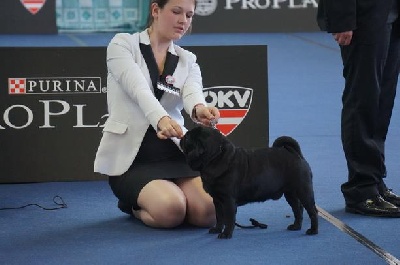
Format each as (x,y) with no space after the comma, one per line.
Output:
(225,235)
(294,227)
(312,231)
(215,230)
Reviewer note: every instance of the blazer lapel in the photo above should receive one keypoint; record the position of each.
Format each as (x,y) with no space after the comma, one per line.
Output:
(169,67)
(171,62)
(152,66)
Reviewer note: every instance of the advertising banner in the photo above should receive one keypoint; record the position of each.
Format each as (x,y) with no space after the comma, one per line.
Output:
(53,106)
(28,17)
(101,15)
(242,16)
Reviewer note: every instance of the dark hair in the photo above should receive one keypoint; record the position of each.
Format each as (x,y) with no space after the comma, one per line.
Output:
(161,4)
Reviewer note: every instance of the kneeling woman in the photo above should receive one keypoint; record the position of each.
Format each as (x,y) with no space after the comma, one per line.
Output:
(150,80)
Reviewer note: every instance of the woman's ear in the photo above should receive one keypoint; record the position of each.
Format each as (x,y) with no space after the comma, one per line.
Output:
(154,10)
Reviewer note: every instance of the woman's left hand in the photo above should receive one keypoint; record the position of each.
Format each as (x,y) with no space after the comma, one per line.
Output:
(207,116)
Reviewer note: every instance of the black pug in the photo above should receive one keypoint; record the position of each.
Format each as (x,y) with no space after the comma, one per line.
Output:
(234,176)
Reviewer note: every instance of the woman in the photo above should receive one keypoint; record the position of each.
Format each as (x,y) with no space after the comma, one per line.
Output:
(150,80)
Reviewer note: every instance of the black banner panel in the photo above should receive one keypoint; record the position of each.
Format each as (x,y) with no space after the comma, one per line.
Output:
(251,16)
(53,106)
(28,17)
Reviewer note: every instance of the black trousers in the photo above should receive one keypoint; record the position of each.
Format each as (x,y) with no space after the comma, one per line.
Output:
(371,73)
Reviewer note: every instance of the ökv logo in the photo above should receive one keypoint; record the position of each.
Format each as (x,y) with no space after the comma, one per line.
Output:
(233,102)
(205,7)
(33,6)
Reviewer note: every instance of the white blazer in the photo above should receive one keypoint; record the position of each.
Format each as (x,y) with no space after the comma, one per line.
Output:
(132,106)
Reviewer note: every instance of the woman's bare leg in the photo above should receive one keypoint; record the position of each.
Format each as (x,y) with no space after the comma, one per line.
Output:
(200,207)
(162,204)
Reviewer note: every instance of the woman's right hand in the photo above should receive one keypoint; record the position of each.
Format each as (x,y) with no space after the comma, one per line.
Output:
(167,128)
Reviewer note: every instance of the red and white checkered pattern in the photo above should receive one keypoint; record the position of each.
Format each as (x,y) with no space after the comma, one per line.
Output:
(16,86)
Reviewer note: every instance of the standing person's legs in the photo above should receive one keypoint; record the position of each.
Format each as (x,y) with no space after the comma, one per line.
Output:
(388,90)
(363,66)
(386,103)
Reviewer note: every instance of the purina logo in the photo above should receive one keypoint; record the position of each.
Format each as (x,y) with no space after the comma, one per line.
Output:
(233,102)
(54,85)
(205,7)
(33,6)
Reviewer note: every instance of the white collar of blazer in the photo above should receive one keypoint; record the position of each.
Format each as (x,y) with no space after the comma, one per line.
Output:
(145,39)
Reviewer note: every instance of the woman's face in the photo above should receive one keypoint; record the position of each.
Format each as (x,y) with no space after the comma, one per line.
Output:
(174,19)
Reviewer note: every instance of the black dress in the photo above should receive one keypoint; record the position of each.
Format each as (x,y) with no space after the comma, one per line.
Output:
(156,159)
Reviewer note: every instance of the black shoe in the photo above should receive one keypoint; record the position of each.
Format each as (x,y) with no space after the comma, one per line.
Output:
(391,197)
(376,206)
(125,207)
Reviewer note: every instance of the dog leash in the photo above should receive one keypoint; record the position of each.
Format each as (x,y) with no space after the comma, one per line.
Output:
(254,224)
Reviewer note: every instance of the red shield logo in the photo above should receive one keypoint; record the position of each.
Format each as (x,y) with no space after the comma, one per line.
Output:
(33,6)
(233,102)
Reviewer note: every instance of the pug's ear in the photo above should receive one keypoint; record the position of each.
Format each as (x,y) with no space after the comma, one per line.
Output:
(194,158)
(195,154)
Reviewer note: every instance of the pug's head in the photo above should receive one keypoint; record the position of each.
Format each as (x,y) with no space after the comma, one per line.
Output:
(201,145)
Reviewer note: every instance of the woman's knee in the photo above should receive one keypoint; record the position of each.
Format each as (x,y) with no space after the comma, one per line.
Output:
(169,212)
(163,204)
(201,214)
(200,207)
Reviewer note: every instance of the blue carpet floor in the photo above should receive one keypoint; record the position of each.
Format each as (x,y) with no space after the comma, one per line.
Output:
(305,87)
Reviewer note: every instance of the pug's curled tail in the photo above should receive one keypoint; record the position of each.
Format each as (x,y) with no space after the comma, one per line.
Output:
(289,144)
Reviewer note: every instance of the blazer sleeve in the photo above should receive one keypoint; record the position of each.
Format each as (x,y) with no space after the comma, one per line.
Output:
(335,16)
(192,91)
(121,64)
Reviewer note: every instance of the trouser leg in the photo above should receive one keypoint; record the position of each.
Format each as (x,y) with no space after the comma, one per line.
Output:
(388,94)
(364,65)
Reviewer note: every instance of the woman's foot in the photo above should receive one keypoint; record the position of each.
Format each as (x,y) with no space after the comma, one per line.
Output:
(125,207)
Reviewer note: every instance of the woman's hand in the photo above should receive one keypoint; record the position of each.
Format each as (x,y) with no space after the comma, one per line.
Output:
(167,128)
(207,116)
